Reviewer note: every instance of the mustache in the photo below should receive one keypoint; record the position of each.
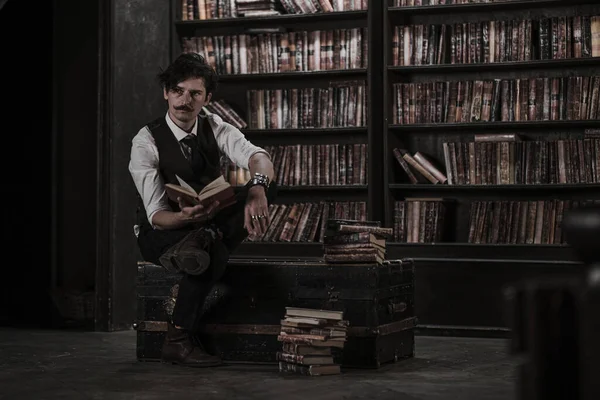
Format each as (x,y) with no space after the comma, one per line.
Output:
(184,108)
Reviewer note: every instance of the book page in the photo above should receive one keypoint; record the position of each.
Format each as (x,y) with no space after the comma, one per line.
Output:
(185,185)
(214,187)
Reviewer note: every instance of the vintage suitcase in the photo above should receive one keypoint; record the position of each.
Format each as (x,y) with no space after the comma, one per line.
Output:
(244,311)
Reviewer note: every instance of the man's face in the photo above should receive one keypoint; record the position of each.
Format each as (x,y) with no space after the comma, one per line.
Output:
(187,99)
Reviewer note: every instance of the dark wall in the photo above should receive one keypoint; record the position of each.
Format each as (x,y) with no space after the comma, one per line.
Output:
(26,69)
(76,62)
(136,40)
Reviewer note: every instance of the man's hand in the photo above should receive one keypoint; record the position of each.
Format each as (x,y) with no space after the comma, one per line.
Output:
(256,212)
(197,212)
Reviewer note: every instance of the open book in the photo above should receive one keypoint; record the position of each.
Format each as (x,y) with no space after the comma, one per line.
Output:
(219,189)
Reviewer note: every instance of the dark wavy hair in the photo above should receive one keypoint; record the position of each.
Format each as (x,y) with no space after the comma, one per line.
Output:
(186,66)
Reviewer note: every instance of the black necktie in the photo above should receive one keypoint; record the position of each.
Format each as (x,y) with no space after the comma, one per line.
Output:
(194,155)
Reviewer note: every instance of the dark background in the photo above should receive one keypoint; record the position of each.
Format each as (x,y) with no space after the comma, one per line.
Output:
(68,198)
(26,160)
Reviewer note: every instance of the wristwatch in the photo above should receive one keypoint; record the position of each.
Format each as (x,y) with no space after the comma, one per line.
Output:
(259,179)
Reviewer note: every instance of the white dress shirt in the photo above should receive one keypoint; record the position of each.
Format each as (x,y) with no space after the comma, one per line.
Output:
(143,164)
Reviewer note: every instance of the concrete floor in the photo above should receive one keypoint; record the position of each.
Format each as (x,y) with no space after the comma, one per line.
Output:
(89,365)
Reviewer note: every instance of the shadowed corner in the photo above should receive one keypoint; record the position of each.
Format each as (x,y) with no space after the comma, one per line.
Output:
(582,231)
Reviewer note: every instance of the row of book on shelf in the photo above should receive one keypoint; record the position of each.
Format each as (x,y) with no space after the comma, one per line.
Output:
(418,220)
(519,222)
(305,222)
(313,165)
(497,41)
(215,9)
(492,159)
(496,100)
(268,51)
(342,104)
(466,43)
(509,100)
(505,159)
(320,164)
(318,6)
(423,220)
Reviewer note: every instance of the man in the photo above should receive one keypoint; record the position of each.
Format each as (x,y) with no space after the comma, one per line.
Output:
(187,142)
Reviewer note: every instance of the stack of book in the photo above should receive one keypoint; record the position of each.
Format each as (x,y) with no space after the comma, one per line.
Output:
(255,8)
(419,167)
(308,336)
(354,241)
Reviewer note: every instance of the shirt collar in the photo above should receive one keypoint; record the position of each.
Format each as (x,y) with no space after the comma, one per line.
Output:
(179,133)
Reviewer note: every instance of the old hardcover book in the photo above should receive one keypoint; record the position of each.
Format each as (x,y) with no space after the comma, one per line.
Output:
(313,313)
(353,258)
(218,190)
(305,360)
(312,370)
(378,231)
(311,341)
(304,350)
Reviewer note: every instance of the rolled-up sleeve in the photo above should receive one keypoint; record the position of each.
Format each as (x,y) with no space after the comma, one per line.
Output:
(233,143)
(143,167)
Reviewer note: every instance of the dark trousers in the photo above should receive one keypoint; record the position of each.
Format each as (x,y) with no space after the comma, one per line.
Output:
(193,289)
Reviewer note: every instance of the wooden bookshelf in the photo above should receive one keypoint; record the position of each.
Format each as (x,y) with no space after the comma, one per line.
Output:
(233,89)
(428,137)
(385,181)
(479,269)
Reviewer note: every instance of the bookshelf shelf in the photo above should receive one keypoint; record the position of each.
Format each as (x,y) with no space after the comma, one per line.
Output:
(572,63)
(479,7)
(546,188)
(504,253)
(471,127)
(296,76)
(285,20)
(306,131)
(323,188)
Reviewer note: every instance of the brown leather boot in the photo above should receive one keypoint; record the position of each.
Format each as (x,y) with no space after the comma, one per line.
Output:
(179,349)
(190,255)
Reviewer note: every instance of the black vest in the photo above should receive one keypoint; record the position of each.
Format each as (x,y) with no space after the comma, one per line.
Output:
(172,161)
